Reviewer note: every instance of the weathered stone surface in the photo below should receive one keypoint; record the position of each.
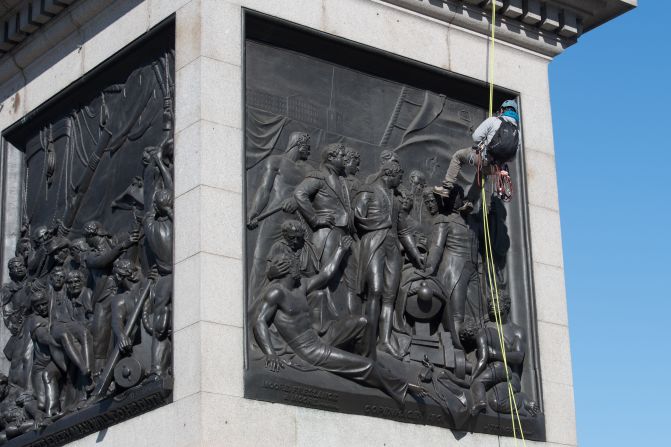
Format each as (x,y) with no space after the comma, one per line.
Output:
(211,90)
(555,350)
(541,179)
(550,294)
(560,413)
(545,236)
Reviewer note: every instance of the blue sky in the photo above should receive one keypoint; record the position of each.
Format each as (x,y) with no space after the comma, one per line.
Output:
(610,100)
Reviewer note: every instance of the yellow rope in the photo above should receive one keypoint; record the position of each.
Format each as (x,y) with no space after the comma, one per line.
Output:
(491,272)
(491,60)
(494,291)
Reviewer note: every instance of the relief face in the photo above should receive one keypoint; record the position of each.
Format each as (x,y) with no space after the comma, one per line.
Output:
(366,291)
(89,301)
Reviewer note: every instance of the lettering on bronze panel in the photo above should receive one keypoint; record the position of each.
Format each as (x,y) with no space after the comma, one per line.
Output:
(369,253)
(89,298)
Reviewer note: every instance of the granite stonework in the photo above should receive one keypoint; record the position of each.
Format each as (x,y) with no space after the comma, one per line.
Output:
(208,407)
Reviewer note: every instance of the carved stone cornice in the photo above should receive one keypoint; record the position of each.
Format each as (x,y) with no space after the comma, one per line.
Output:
(544,26)
(547,27)
(22,18)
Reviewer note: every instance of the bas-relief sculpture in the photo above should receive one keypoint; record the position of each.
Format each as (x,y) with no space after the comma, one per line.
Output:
(365,290)
(89,300)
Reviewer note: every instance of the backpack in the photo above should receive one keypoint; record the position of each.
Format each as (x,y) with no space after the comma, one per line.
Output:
(503,145)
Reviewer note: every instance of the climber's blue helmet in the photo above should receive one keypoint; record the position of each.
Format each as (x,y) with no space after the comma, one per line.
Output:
(510,103)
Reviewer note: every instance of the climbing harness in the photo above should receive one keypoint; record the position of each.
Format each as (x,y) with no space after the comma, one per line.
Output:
(503,187)
(503,184)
